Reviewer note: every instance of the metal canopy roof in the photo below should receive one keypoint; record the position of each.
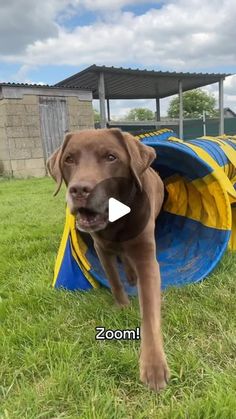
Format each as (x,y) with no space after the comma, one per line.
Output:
(121,83)
(38,86)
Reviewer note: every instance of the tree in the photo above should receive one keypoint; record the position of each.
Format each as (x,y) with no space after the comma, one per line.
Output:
(140,114)
(96,115)
(194,103)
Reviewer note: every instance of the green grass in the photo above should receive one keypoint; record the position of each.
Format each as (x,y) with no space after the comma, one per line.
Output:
(50,364)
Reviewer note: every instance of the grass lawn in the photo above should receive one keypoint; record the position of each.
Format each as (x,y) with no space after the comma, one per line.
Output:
(50,364)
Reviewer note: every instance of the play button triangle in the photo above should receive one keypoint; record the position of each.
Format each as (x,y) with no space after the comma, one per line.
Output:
(116,209)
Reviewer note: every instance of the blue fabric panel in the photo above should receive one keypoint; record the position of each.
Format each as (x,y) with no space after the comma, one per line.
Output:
(177,158)
(163,136)
(231,143)
(98,273)
(70,275)
(212,149)
(186,250)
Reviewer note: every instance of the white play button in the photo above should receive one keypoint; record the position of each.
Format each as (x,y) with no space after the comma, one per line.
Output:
(116,209)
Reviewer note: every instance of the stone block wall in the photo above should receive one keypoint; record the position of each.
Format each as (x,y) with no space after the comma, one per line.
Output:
(5,164)
(80,114)
(21,151)
(21,144)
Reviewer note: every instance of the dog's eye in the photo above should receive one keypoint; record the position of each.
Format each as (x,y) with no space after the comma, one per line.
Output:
(69,160)
(111,157)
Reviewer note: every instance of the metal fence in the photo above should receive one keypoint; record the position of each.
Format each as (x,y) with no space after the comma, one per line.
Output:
(193,128)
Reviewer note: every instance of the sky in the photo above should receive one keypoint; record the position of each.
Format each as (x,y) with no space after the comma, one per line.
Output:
(48,40)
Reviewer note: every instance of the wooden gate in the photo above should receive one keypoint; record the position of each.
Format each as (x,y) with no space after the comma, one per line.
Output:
(54,122)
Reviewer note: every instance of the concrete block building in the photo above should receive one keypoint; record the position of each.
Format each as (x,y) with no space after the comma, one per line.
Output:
(33,122)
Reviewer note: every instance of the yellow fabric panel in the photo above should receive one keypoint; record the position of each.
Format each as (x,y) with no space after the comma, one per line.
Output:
(229,170)
(153,133)
(218,171)
(176,140)
(78,250)
(232,240)
(233,179)
(229,151)
(86,273)
(82,245)
(194,198)
(75,243)
(200,200)
(216,204)
(62,247)
(177,195)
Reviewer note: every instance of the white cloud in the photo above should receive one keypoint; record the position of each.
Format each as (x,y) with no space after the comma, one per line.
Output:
(229,89)
(181,35)
(229,92)
(230,85)
(22,22)
(176,36)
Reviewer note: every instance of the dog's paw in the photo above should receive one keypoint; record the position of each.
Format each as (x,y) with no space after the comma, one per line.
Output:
(154,374)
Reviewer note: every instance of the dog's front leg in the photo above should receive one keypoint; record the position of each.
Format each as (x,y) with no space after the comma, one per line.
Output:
(153,366)
(108,262)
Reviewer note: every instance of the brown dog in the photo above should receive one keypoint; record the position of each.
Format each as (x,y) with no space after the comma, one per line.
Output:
(85,161)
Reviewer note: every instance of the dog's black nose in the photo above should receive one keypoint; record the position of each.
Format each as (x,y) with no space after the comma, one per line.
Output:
(81,190)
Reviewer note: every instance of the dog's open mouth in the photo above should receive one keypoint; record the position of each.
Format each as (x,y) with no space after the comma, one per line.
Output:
(88,219)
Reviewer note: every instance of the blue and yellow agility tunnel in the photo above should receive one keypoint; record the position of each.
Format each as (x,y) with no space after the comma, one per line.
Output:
(195,227)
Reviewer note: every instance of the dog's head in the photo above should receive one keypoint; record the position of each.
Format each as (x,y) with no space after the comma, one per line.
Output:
(89,162)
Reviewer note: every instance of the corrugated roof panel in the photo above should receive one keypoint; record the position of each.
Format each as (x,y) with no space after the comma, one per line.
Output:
(41,86)
(121,83)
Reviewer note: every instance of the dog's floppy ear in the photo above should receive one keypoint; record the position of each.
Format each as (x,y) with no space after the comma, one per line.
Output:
(54,163)
(141,156)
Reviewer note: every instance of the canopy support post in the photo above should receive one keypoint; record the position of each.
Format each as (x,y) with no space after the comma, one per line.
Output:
(181,112)
(101,93)
(108,111)
(158,111)
(221,106)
